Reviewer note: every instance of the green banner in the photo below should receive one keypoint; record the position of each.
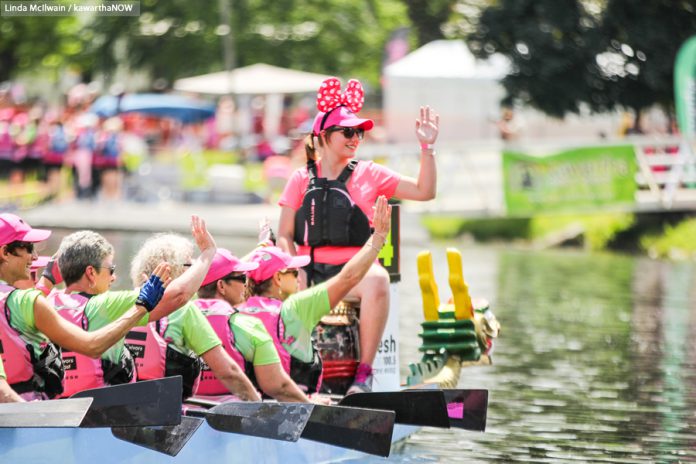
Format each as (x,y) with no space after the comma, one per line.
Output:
(685,88)
(578,180)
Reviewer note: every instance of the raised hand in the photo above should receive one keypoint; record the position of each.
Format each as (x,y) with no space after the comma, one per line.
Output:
(200,234)
(428,125)
(382,217)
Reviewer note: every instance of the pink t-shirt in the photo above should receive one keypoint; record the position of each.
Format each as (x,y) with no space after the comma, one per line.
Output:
(369,181)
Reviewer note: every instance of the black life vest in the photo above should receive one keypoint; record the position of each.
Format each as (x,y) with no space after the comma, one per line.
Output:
(307,375)
(328,215)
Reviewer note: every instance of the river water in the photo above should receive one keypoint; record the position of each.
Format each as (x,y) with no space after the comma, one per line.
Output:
(596,361)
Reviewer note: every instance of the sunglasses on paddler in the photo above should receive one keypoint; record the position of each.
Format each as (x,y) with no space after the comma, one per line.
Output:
(349,132)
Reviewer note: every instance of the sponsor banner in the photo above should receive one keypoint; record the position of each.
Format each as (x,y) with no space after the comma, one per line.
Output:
(685,88)
(581,179)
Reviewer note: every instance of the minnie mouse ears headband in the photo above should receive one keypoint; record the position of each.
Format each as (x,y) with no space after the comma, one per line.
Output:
(346,103)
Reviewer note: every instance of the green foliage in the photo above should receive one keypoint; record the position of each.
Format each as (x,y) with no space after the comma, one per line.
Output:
(178,38)
(565,54)
(675,241)
(480,229)
(428,16)
(547,44)
(36,43)
(598,229)
(644,38)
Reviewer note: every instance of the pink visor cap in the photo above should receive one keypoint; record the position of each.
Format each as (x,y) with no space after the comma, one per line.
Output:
(272,260)
(340,116)
(13,228)
(224,263)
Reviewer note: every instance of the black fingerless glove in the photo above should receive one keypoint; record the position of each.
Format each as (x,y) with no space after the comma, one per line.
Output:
(51,272)
(151,293)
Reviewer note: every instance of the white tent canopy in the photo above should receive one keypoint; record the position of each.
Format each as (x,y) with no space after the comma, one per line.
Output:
(445,75)
(256,79)
(448,59)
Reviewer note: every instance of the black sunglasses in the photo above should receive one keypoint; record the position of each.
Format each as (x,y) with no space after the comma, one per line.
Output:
(349,132)
(238,278)
(29,246)
(294,272)
(112,269)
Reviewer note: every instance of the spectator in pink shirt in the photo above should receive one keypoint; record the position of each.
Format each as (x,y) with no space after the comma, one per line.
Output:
(327,206)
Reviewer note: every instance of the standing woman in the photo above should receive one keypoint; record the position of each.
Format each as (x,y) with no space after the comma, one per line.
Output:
(327,206)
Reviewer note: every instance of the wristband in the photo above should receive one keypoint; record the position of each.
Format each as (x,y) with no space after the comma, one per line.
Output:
(426,146)
(43,289)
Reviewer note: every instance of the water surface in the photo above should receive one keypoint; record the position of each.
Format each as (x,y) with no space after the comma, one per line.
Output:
(596,360)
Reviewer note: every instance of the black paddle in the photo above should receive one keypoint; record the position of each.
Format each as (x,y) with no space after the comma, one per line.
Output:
(168,439)
(422,407)
(467,409)
(459,408)
(58,413)
(152,402)
(364,430)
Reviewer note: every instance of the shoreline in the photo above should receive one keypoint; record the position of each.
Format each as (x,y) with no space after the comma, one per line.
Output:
(230,220)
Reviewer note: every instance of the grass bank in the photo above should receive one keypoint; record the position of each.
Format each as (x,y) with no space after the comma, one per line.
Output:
(659,235)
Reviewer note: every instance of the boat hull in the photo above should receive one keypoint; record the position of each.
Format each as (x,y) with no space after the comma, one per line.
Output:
(207,446)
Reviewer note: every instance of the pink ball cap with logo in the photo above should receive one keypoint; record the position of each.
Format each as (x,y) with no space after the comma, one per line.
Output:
(225,262)
(272,260)
(13,228)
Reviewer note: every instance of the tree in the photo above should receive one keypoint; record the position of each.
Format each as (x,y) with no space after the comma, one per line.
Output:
(607,54)
(36,43)
(178,38)
(550,46)
(638,46)
(428,16)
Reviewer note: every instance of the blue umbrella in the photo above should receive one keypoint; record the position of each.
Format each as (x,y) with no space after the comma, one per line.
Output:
(186,110)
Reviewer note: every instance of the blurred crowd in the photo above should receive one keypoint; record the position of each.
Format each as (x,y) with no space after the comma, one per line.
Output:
(69,150)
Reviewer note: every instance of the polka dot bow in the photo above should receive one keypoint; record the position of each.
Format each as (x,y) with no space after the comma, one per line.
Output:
(330,97)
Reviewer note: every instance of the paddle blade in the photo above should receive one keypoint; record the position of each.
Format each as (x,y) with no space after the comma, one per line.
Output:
(365,430)
(413,407)
(168,439)
(278,421)
(152,402)
(57,413)
(467,409)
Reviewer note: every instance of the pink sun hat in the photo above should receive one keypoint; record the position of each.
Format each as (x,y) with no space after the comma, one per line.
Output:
(225,262)
(340,116)
(13,228)
(272,260)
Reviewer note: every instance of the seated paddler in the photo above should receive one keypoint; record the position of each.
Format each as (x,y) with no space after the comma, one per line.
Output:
(291,315)
(86,261)
(183,342)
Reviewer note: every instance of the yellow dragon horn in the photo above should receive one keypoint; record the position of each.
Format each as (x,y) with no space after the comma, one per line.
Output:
(426,279)
(463,309)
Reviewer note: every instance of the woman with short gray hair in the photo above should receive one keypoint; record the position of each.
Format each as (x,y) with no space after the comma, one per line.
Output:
(175,347)
(86,264)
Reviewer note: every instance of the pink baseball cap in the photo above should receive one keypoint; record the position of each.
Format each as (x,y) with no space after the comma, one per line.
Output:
(13,228)
(225,262)
(272,260)
(340,116)
(39,262)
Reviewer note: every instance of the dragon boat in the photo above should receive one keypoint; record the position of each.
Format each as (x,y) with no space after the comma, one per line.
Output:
(142,422)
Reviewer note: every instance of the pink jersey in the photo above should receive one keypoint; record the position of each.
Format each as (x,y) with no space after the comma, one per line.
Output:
(365,185)
(218,313)
(14,350)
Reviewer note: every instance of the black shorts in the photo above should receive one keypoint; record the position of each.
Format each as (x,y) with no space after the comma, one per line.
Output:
(321,272)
